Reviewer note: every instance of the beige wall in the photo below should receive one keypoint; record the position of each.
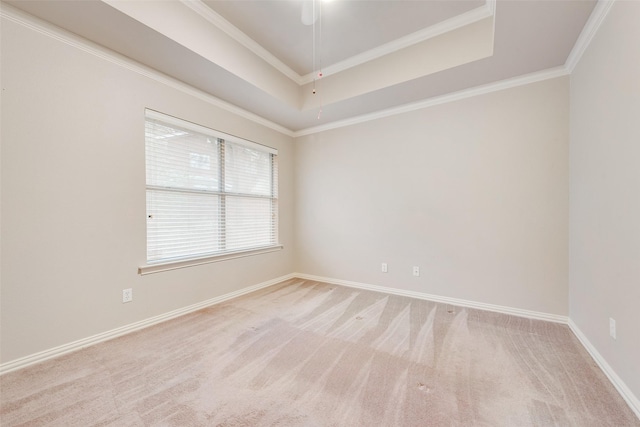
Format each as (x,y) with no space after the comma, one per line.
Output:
(605,192)
(474,192)
(73,197)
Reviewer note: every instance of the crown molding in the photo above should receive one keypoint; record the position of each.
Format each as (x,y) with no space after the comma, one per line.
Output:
(459,21)
(66,37)
(550,73)
(234,32)
(595,21)
(590,29)
(484,11)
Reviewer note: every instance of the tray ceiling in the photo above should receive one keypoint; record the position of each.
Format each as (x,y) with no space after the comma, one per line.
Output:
(375,55)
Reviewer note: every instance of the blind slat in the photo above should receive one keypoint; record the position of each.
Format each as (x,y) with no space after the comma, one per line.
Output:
(205,194)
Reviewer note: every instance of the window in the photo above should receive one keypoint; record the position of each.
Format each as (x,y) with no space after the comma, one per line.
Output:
(208,193)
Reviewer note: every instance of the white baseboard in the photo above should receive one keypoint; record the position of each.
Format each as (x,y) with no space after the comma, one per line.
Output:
(622,388)
(114,333)
(446,300)
(625,392)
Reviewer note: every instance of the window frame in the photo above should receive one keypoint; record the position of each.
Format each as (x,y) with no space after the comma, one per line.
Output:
(164,264)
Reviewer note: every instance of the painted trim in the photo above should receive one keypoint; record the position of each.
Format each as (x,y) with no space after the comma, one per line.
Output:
(599,13)
(42,356)
(467,18)
(593,24)
(485,11)
(236,34)
(64,36)
(539,76)
(529,314)
(36,24)
(143,270)
(23,362)
(621,387)
(626,393)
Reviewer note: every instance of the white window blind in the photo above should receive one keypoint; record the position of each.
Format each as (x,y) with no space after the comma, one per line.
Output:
(208,193)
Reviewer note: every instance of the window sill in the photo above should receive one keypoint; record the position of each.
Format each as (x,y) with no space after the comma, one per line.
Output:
(183,263)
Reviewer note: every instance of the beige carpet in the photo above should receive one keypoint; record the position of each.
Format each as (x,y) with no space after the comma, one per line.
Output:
(304,353)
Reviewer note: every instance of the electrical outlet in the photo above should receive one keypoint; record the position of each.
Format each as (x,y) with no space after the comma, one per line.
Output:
(384,267)
(416,271)
(127,295)
(612,327)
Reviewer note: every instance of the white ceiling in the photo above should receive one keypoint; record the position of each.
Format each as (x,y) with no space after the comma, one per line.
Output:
(348,27)
(375,54)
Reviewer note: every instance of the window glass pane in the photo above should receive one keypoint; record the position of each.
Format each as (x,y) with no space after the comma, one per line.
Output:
(180,158)
(247,171)
(181,224)
(193,208)
(249,222)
